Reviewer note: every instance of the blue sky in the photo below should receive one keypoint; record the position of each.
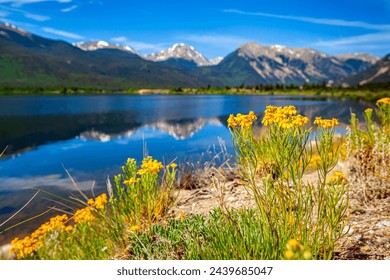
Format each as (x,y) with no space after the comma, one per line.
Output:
(214,28)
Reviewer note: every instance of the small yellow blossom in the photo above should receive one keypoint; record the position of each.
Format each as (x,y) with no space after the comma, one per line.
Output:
(232,121)
(150,165)
(296,251)
(384,100)
(99,202)
(337,177)
(286,117)
(289,255)
(368,111)
(84,215)
(173,165)
(326,123)
(244,121)
(22,248)
(135,228)
(131,181)
(299,120)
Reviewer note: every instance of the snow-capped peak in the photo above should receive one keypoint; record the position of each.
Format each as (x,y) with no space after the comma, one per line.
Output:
(102,44)
(278,47)
(182,51)
(216,60)
(95,45)
(15,28)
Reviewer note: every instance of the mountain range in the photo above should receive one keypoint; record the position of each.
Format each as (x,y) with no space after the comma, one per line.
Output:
(28,60)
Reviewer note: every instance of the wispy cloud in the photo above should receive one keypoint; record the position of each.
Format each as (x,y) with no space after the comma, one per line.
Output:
(63,33)
(26,14)
(18,3)
(380,39)
(55,180)
(323,21)
(139,46)
(36,17)
(71,8)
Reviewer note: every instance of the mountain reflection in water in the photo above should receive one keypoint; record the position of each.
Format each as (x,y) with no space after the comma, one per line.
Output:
(92,137)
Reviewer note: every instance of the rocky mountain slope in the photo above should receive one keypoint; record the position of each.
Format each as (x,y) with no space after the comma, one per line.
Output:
(377,73)
(27,60)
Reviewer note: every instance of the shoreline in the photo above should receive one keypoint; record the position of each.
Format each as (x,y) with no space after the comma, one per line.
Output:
(369,95)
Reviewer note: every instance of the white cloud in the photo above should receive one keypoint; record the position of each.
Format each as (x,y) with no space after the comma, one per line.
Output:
(18,3)
(36,17)
(71,8)
(323,21)
(63,33)
(379,39)
(56,180)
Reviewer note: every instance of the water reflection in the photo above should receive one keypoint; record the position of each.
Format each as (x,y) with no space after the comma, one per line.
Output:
(92,136)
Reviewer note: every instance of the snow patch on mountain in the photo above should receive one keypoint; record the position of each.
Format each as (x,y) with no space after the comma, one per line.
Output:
(182,51)
(96,45)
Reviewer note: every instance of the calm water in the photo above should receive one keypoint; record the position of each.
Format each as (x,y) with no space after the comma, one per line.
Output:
(92,136)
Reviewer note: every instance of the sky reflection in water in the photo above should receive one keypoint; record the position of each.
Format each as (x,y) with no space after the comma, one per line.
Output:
(92,136)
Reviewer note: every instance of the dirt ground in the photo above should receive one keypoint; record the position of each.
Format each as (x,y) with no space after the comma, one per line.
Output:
(367,233)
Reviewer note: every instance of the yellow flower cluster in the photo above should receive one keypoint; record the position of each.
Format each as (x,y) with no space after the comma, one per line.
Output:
(150,165)
(131,181)
(245,121)
(384,100)
(99,202)
(285,117)
(134,228)
(337,178)
(24,247)
(326,123)
(84,215)
(368,111)
(296,251)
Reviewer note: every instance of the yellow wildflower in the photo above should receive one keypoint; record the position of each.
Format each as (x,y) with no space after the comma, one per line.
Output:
(135,228)
(289,110)
(296,251)
(270,109)
(299,120)
(384,100)
(24,247)
(326,123)
(368,111)
(232,121)
(150,165)
(285,117)
(293,244)
(289,255)
(131,181)
(337,177)
(173,165)
(285,124)
(244,121)
(100,201)
(268,119)
(84,215)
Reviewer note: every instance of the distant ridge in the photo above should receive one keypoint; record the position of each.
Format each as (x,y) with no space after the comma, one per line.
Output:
(27,60)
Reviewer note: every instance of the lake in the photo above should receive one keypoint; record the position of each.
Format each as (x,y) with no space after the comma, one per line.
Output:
(92,136)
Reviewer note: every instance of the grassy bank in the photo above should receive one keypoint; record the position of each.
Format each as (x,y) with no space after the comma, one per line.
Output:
(290,218)
(369,93)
